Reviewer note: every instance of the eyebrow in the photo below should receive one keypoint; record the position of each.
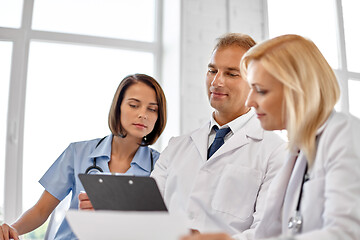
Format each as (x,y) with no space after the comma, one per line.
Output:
(234,69)
(229,68)
(137,100)
(256,85)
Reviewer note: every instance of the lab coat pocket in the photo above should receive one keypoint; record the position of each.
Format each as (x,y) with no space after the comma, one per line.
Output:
(312,206)
(236,191)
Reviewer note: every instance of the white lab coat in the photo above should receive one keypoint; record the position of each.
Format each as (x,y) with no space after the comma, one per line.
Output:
(330,203)
(226,192)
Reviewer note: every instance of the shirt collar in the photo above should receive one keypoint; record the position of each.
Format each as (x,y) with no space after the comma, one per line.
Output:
(235,125)
(103,149)
(142,157)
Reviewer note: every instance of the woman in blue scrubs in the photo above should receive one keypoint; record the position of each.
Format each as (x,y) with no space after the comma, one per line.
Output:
(137,118)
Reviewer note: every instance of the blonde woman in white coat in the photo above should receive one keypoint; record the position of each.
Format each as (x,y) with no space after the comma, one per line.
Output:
(294,88)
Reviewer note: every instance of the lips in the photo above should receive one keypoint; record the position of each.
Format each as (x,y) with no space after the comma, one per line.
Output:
(260,115)
(218,94)
(139,125)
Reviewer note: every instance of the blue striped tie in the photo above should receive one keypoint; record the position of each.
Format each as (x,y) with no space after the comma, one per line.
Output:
(218,141)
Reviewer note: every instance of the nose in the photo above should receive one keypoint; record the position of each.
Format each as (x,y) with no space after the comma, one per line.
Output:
(142,114)
(250,101)
(218,80)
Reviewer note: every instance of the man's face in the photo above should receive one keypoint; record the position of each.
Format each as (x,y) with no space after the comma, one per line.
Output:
(227,91)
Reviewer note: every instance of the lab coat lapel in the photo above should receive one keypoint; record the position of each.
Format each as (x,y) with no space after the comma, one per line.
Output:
(293,191)
(236,141)
(200,138)
(272,218)
(252,129)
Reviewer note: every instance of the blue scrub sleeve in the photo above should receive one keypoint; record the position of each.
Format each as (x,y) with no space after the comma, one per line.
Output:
(59,178)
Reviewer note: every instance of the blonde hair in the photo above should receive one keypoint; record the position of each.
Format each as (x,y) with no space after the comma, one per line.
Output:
(310,86)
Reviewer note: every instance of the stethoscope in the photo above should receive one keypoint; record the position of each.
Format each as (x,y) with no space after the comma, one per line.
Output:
(94,169)
(296,222)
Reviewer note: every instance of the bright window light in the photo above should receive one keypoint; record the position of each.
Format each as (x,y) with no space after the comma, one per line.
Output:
(125,19)
(10,13)
(315,20)
(69,93)
(5,64)
(354,97)
(352,35)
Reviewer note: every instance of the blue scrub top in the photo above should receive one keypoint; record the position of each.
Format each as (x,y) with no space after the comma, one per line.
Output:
(62,177)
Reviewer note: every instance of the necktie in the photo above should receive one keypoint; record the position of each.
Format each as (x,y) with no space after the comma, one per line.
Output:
(218,141)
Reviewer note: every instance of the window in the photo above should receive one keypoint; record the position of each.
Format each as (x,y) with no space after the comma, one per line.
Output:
(354,99)
(331,25)
(107,18)
(10,13)
(352,36)
(70,103)
(302,17)
(5,62)
(65,73)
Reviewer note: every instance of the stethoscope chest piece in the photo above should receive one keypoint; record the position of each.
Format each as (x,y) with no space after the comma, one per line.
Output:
(295,223)
(93,169)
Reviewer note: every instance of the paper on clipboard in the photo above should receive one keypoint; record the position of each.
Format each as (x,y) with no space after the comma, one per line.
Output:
(126,225)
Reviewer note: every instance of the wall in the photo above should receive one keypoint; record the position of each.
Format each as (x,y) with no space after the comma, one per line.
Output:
(190,28)
(202,22)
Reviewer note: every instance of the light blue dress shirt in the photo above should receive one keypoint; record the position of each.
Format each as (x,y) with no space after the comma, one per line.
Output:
(62,177)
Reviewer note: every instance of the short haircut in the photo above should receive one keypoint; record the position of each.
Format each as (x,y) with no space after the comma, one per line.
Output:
(310,88)
(115,112)
(242,40)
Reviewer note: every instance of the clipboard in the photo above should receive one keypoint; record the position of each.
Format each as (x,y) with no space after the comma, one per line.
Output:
(122,192)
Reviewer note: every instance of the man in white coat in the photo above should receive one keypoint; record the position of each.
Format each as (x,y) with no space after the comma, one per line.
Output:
(222,189)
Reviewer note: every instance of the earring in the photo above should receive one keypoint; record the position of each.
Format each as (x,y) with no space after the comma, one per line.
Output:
(144,138)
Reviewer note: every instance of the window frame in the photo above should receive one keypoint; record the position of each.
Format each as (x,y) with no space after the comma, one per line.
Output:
(342,73)
(21,38)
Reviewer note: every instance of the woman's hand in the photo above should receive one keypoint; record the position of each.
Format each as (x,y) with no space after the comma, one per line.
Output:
(8,232)
(212,236)
(84,202)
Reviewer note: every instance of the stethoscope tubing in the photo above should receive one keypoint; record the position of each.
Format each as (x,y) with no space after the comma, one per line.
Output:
(96,169)
(296,222)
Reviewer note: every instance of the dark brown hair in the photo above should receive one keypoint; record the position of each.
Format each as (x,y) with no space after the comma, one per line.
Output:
(115,112)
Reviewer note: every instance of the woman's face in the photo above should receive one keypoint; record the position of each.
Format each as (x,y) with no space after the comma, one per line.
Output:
(139,110)
(266,96)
